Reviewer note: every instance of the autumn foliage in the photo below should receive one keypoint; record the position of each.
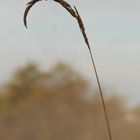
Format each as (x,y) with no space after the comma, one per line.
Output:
(60,104)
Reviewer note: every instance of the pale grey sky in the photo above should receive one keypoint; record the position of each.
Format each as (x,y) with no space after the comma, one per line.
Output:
(113,28)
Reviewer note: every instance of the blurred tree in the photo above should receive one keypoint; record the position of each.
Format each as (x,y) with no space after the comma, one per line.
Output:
(23,81)
(55,108)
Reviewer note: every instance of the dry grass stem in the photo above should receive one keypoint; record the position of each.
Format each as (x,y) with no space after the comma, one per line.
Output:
(74,12)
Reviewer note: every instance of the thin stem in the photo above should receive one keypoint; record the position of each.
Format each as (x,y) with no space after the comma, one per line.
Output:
(81,25)
(101,94)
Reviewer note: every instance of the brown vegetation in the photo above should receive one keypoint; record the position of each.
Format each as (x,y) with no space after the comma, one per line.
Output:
(37,105)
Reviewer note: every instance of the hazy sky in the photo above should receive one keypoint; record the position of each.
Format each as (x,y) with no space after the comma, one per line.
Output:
(113,27)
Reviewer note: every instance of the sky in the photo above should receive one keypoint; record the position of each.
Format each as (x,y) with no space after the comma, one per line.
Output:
(113,29)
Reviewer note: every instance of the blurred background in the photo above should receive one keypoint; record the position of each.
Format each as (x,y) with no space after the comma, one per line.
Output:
(48,88)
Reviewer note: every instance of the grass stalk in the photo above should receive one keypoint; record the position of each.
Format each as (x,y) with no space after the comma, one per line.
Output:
(74,12)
